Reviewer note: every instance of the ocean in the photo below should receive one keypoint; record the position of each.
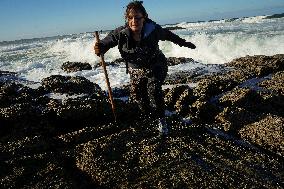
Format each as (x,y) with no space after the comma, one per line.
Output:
(217,42)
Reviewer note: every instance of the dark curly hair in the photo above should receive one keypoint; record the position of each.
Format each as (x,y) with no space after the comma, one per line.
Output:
(135,5)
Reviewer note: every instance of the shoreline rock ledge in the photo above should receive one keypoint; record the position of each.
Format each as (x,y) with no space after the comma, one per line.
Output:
(61,135)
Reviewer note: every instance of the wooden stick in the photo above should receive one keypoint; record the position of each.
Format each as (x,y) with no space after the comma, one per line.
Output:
(107,79)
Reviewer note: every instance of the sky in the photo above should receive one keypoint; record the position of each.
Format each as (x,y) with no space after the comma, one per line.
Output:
(25,19)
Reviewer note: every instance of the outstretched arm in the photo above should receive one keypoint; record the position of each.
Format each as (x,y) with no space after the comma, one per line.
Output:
(167,35)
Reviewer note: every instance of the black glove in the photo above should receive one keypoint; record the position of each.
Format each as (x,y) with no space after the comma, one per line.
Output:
(98,49)
(189,45)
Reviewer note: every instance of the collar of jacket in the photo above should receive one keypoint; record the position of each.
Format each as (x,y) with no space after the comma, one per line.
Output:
(148,28)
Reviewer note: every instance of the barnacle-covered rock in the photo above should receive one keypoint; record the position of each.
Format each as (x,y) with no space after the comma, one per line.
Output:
(173,94)
(267,132)
(259,65)
(241,97)
(214,85)
(275,84)
(203,111)
(70,85)
(20,104)
(104,159)
(17,112)
(39,153)
(75,66)
(11,93)
(234,118)
(171,61)
(272,103)
(80,108)
(186,98)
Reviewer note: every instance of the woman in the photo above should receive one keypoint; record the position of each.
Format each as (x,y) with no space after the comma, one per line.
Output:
(138,45)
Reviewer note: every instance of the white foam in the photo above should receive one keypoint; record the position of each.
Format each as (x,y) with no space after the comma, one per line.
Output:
(62,97)
(222,48)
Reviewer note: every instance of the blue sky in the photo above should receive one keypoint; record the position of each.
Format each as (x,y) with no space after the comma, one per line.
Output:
(21,19)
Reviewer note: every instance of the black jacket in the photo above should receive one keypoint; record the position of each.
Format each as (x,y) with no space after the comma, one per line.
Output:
(145,53)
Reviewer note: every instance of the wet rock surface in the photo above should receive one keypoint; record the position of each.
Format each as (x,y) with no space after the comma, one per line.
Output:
(70,85)
(75,66)
(259,65)
(234,138)
(181,60)
(267,132)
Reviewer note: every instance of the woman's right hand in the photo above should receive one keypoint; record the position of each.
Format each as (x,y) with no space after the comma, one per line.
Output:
(98,48)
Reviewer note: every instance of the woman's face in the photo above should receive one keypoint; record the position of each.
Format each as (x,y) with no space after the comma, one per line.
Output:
(135,21)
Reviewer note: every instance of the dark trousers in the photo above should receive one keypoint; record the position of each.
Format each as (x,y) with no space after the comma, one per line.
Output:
(146,89)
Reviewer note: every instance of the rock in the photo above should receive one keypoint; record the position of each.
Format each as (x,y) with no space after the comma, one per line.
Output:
(241,97)
(267,133)
(275,16)
(183,103)
(70,85)
(17,112)
(194,75)
(259,65)
(122,91)
(275,84)
(202,111)
(172,95)
(18,102)
(111,150)
(95,110)
(171,61)
(272,103)
(75,66)
(234,118)
(240,75)
(80,108)
(73,143)
(126,111)
(17,93)
(134,159)
(214,85)
(178,78)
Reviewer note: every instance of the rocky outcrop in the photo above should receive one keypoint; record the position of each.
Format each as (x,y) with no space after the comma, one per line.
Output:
(70,85)
(20,102)
(251,89)
(75,66)
(191,158)
(214,85)
(234,139)
(171,61)
(259,65)
(63,99)
(267,132)
(275,84)
(275,16)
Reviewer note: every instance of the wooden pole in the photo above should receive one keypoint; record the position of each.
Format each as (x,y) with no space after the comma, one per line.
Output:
(107,79)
